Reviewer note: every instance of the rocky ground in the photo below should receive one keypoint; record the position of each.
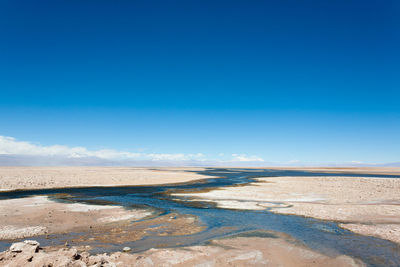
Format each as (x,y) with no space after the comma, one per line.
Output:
(239,251)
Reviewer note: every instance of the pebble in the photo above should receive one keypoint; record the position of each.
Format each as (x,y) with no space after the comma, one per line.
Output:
(126,249)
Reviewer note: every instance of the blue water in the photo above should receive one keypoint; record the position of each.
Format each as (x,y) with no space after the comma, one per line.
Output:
(323,236)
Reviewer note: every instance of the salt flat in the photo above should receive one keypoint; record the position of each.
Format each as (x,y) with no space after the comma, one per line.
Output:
(13,178)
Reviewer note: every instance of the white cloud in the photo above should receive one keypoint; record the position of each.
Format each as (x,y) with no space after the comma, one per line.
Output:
(244,157)
(11,146)
(175,157)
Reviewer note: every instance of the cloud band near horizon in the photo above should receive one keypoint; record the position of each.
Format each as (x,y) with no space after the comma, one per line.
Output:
(12,146)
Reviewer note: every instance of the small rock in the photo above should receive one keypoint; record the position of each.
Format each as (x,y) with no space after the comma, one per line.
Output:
(26,246)
(126,249)
(17,247)
(32,242)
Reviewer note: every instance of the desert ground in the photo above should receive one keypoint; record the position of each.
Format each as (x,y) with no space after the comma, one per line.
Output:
(365,205)
(24,217)
(240,251)
(369,206)
(14,178)
(358,170)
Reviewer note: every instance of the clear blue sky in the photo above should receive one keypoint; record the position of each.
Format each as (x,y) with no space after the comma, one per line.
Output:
(314,81)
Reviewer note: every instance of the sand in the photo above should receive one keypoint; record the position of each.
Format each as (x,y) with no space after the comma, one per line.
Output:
(244,251)
(239,251)
(96,224)
(371,204)
(40,215)
(13,178)
(31,216)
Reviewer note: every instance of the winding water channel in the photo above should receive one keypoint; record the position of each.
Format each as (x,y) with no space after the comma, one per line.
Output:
(319,235)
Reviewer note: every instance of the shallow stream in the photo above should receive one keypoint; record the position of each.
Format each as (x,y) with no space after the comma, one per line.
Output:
(319,235)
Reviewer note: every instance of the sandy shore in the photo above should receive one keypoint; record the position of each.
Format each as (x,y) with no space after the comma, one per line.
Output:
(27,217)
(31,216)
(12,178)
(369,206)
(239,251)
